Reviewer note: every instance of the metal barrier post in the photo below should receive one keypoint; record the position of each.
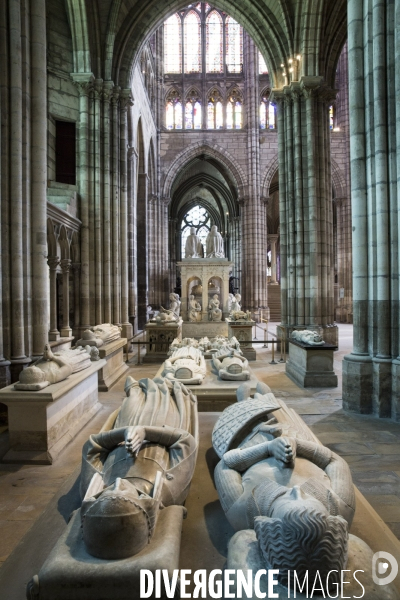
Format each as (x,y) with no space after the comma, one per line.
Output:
(273,353)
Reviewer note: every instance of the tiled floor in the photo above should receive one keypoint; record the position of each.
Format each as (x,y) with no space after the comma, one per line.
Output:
(371,447)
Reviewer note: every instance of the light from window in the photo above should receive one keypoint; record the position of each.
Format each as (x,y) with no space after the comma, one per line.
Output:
(189,115)
(172,45)
(192,35)
(178,115)
(238,115)
(267,113)
(234,111)
(271,116)
(229,115)
(210,115)
(331,117)
(219,118)
(197,115)
(234,46)
(173,111)
(214,43)
(198,218)
(262,67)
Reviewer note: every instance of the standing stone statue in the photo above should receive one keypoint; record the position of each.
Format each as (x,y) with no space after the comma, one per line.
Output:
(215,244)
(214,311)
(235,305)
(194,309)
(193,247)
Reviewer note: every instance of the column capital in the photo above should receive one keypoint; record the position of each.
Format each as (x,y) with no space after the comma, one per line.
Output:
(84,82)
(65,265)
(125,100)
(53,262)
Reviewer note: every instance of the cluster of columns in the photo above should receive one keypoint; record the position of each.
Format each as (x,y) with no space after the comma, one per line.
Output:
(306,217)
(253,207)
(23,151)
(103,188)
(371,373)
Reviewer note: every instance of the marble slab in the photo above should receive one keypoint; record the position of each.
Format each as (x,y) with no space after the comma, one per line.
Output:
(42,423)
(213,395)
(115,366)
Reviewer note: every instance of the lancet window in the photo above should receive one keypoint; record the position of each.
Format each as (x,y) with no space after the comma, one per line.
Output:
(199,218)
(234,118)
(193,110)
(267,112)
(215,115)
(262,65)
(173,111)
(202,31)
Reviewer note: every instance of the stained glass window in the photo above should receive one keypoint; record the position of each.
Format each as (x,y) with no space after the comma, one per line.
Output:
(267,112)
(173,45)
(331,117)
(192,34)
(234,46)
(229,115)
(214,42)
(189,115)
(271,116)
(197,115)
(262,67)
(234,110)
(198,218)
(173,111)
(215,116)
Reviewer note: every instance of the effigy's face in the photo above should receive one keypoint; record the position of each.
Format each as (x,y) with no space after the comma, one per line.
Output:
(295,498)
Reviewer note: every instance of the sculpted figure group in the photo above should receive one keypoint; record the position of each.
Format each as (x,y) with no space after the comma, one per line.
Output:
(214,245)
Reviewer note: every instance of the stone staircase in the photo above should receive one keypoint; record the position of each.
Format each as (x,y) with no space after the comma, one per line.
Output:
(274,302)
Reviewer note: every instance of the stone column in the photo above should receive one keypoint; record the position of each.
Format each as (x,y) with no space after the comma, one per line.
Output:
(371,373)
(142,248)
(5,378)
(107,300)
(76,269)
(273,238)
(306,228)
(18,357)
(40,300)
(97,172)
(125,104)
(116,208)
(84,84)
(132,232)
(53,263)
(66,330)
(254,258)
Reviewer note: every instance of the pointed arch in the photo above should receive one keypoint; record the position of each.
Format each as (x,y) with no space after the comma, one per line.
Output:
(219,154)
(268,177)
(78,22)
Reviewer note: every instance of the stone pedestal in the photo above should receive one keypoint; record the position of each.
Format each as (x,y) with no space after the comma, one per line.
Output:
(42,423)
(311,366)
(201,329)
(115,366)
(204,271)
(160,338)
(215,394)
(243,331)
(330,334)
(70,572)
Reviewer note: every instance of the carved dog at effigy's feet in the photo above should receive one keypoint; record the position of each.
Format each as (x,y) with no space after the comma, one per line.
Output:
(294,494)
(135,477)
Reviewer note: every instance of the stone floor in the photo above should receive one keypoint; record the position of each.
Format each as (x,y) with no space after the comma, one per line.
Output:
(35,501)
